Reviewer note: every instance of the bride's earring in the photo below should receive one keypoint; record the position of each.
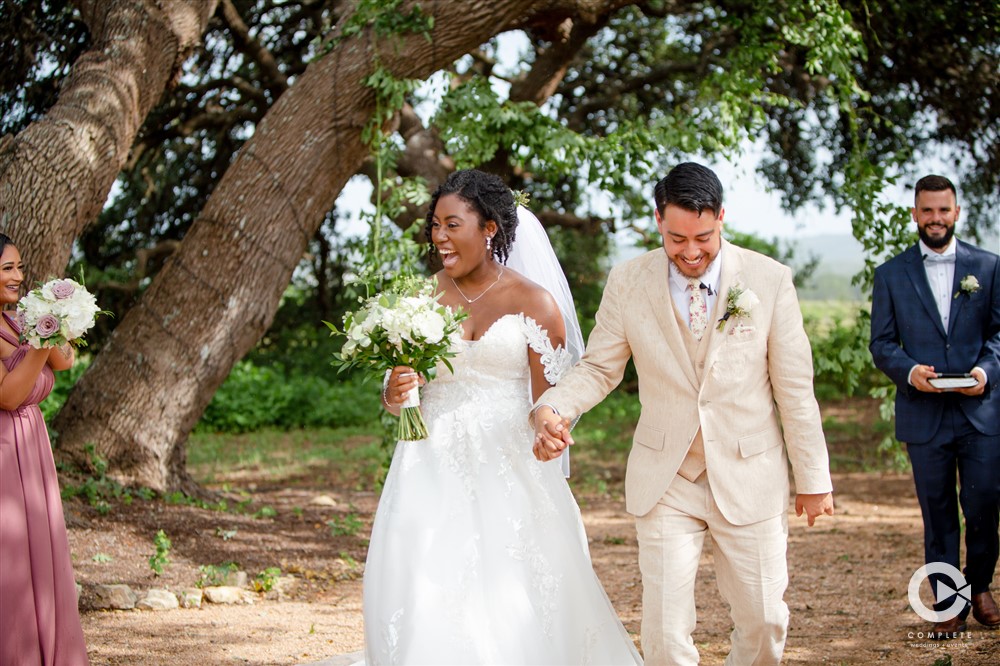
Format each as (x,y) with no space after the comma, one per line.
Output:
(489,243)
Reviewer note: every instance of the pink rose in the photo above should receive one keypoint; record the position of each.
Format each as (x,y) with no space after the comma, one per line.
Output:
(63,289)
(47,325)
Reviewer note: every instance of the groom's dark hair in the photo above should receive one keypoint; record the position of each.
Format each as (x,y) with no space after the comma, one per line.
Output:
(690,186)
(490,197)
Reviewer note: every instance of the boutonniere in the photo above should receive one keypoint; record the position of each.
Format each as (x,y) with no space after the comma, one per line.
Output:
(968,286)
(740,302)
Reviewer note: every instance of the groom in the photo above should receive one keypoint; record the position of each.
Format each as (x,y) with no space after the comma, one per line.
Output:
(725,382)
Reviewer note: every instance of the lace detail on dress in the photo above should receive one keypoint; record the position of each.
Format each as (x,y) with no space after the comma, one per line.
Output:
(555,361)
(543,573)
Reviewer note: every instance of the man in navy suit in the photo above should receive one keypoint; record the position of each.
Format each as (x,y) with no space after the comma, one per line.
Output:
(936,309)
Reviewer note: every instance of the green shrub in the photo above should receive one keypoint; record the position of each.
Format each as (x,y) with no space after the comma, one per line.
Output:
(255,397)
(65,381)
(842,364)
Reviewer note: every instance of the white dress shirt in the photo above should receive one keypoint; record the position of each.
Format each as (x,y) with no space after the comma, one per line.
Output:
(681,296)
(941,276)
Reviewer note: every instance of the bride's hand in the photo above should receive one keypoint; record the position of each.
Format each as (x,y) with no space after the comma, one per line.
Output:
(551,434)
(401,381)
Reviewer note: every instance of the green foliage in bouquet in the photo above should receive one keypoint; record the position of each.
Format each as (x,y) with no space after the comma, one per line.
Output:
(403,325)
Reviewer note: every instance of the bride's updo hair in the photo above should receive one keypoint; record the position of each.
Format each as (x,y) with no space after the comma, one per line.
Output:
(490,197)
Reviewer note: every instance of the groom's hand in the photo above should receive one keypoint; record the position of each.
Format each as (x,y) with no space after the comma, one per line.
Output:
(814,505)
(551,434)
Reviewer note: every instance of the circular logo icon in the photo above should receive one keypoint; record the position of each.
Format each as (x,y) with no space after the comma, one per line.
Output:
(958,588)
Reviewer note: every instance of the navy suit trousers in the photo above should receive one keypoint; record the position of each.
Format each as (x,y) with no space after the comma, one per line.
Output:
(958,446)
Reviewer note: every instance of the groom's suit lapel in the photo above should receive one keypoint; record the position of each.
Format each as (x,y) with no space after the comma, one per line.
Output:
(914,267)
(730,275)
(656,284)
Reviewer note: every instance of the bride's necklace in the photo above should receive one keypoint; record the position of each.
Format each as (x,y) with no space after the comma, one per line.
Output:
(473,300)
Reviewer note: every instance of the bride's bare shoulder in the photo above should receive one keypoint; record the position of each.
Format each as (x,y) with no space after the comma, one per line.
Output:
(534,301)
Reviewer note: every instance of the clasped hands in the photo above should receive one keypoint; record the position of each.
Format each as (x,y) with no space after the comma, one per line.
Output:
(551,434)
(922,374)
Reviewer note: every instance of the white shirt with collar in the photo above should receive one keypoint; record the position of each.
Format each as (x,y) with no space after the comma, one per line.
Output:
(941,276)
(679,288)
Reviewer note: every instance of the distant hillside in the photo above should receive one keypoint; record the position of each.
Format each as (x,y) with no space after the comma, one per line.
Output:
(839,254)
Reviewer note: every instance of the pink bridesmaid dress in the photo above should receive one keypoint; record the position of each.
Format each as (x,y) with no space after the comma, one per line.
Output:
(39,620)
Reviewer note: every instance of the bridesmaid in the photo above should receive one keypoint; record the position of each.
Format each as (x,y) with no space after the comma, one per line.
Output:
(38,604)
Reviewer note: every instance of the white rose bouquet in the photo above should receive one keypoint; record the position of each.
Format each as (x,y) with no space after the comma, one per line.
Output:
(58,312)
(404,325)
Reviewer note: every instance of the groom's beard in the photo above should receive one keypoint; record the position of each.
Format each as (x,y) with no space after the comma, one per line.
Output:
(936,243)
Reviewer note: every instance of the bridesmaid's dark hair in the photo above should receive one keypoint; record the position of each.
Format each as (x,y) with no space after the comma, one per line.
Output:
(490,197)
(4,241)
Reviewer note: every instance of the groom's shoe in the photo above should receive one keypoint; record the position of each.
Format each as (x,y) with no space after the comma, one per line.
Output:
(984,609)
(947,630)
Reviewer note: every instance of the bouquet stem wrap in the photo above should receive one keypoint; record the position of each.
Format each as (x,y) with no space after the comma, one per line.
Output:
(411,421)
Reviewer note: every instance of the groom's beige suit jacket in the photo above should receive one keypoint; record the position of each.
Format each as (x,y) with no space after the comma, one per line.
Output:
(756,369)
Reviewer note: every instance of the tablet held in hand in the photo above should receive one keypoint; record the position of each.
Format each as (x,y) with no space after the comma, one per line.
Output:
(949,380)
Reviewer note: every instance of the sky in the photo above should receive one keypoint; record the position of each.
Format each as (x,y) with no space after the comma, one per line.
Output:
(751,208)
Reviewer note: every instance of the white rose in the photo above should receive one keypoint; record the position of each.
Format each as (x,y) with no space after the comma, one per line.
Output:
(356,332)
(371,321)
(395,326)
(429,325)
(77,315)
(747,301)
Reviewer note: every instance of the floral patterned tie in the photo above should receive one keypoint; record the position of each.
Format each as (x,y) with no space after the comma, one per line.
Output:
(697,308)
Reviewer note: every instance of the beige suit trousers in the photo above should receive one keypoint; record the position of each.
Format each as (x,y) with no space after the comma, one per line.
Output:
(750,567)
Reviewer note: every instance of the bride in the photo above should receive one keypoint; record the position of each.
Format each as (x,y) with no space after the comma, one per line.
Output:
(478,553)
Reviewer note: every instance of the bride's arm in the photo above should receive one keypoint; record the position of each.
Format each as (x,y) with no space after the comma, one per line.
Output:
(546,337)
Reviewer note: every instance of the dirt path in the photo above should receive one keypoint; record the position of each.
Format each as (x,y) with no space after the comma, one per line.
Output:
(847,596)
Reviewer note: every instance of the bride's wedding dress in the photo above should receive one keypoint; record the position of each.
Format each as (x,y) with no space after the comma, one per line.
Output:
(478,553)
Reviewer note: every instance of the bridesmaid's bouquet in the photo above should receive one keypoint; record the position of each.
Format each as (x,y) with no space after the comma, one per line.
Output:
(404,325)
(58,312)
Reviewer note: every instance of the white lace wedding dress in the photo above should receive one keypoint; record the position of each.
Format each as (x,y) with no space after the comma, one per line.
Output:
(478,554)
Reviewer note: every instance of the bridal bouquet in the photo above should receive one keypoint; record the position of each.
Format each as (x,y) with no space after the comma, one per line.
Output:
(58,312)
(404,325)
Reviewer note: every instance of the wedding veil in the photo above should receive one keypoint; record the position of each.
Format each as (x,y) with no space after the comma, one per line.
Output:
(533,257)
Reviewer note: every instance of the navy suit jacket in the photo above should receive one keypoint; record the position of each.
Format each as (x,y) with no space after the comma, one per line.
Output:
(907,331)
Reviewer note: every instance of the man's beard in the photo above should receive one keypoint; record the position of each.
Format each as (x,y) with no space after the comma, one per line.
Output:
(936,243)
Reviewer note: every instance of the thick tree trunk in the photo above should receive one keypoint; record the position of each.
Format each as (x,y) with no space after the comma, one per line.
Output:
(56,175)
(217,295)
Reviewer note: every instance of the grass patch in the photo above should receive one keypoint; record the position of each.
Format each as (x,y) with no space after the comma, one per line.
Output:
(603,439)
(350,455)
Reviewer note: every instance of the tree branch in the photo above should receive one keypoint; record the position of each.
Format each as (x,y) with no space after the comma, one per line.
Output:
(278,82)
